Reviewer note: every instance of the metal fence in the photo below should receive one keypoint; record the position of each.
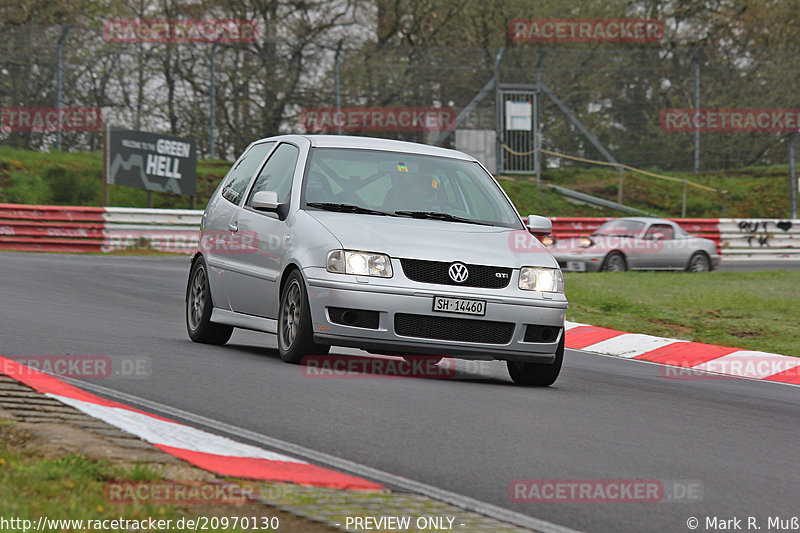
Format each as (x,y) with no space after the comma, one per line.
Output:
(618,92)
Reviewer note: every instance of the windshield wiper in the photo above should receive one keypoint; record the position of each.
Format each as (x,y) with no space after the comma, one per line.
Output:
(440,216)
(346,208)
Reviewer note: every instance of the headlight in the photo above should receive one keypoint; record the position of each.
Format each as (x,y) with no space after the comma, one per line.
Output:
(359,263)
(541,279)
(586,242)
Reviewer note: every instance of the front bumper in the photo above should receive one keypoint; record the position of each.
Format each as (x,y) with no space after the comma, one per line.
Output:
(572,261)
(393,296)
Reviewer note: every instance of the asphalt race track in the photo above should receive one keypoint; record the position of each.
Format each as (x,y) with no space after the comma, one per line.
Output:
(605,418)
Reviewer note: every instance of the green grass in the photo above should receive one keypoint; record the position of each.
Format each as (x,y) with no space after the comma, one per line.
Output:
(752,192)
(532,200)
(750,310)
(68,487)
(72,487)
(73,178)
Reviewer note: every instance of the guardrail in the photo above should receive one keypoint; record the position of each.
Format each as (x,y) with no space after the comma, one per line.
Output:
(594,200)
(51,228)
(165,230)
(46,228)
(97,229)
(760,239)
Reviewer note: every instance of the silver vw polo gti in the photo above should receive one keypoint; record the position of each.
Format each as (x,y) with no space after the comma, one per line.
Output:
(393,247)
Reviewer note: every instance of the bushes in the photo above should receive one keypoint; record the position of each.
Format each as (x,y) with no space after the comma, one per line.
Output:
(67,187)
(26,189)
(57,185)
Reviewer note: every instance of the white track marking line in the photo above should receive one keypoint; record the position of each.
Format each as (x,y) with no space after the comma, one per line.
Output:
(693,369)
(385,478)
(749,364)
(629,345)
(171,434)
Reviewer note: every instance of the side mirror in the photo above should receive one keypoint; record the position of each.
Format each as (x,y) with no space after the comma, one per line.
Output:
(539,226)
(265,201)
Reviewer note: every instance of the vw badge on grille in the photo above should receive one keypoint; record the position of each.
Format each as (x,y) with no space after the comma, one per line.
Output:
(458,272)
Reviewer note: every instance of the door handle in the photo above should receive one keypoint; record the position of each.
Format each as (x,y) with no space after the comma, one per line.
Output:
(233,226)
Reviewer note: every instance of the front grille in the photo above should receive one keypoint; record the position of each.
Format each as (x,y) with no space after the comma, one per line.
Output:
(482,276)
(541,333)
(453,329)
(357,318)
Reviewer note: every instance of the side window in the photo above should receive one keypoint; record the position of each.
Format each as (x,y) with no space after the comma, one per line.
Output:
(660,231)
(277,174)
(240,175)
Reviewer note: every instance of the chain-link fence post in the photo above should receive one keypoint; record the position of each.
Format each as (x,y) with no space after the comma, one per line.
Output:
(683,201)
(537,125)
(212,102)
(498,148)
(59,82)
(338,90)
(793,175)
(698,56)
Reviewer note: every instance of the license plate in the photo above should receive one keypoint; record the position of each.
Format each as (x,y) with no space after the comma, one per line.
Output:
(578,266)
(459,305)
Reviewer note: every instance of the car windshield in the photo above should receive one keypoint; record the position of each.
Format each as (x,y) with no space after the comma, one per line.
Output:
(620,228)
(407,185)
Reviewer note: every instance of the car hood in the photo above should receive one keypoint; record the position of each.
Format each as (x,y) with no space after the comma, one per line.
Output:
(436,240)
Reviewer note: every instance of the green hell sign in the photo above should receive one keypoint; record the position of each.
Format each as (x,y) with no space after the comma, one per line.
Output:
(152,161)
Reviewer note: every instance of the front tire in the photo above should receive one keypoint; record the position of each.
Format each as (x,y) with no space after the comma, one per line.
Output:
(614,262)
(537,374)
(199,307)
(295,336)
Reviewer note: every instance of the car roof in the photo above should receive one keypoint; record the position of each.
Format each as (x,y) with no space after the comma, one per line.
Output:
(374,143)
(648,220)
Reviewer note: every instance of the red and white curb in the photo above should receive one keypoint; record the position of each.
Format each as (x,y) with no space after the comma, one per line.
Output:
(695,356)
(211,452)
